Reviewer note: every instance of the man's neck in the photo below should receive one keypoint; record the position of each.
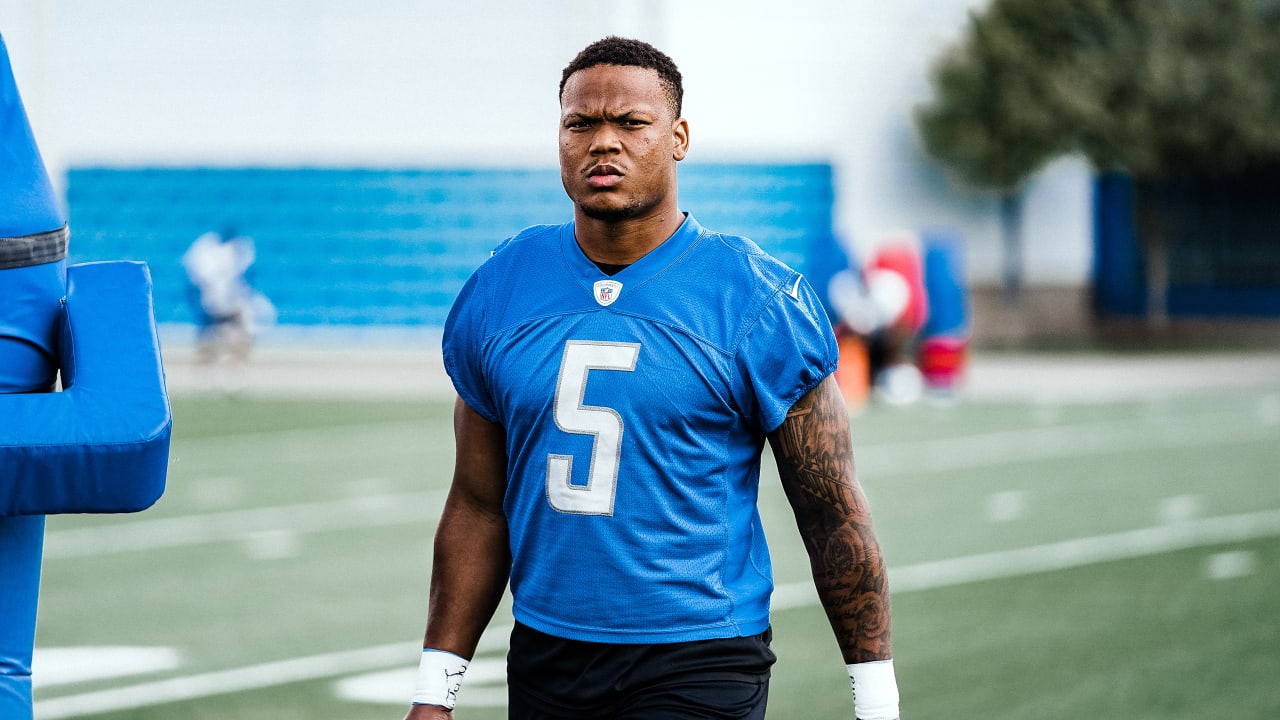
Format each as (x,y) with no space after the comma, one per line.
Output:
(623,243)
(611,270)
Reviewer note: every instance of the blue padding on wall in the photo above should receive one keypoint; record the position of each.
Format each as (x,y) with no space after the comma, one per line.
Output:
(393,246)
(102,444)
(1119,279)
(1217,301)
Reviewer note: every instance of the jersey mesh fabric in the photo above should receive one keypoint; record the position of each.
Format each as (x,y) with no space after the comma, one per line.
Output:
(722,340)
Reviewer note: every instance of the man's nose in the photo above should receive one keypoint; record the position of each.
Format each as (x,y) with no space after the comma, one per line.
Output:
(605,139)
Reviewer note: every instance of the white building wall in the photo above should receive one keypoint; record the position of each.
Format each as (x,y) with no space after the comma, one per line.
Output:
(411,82)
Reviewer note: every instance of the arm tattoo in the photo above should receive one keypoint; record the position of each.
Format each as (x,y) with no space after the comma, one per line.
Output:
(816,465)
(815,460)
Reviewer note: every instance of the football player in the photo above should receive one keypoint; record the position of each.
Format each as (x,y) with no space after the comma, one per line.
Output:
(618,377)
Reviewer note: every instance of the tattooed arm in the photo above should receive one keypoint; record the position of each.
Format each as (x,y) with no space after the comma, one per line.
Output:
(815,459)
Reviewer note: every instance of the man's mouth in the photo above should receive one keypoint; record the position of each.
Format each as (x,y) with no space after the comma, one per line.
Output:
(603,176)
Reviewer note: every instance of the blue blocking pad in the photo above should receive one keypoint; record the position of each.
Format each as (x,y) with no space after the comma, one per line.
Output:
(102,444)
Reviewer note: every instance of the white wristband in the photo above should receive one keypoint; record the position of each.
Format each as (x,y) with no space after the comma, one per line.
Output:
(439,678)
(875,690)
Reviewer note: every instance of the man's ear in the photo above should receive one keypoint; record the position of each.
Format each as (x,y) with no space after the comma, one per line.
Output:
(680,136)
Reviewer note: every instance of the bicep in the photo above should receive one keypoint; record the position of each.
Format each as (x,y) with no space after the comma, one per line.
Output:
(480,465)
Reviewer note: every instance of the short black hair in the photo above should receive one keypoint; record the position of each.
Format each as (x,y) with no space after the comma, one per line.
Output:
(614,50)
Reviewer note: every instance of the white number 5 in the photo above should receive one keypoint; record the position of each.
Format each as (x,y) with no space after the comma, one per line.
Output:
(602,423)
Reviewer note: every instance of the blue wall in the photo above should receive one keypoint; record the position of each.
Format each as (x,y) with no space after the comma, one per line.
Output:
(364,246)
(1220,234)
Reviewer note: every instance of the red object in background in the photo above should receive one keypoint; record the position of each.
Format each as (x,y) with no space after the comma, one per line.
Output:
(903,257)
(941,360)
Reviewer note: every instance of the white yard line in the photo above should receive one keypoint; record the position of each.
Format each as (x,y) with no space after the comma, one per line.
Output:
(324,436)
(236,525)
(1059,441)
(222,682)
(940,455)
(1063,555)
(909,578)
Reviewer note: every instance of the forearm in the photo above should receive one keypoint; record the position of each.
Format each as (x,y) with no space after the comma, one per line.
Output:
(472,557)
(850,577)
(814,454)
(468,574)
(470,567)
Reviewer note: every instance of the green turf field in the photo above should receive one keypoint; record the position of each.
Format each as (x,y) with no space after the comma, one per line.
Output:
(1105,560)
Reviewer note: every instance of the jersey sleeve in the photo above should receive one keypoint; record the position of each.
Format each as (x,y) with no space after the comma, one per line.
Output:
(463,344)
(789,350)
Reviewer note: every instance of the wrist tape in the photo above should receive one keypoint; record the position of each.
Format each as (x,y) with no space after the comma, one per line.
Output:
(439,678)
(875,690)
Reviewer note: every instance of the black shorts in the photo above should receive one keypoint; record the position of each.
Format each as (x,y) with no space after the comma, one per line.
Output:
(553,678)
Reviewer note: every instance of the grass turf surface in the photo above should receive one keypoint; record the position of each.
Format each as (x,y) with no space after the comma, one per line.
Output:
(294,528)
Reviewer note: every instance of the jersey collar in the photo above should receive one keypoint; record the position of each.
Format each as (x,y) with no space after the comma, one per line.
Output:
(638,272)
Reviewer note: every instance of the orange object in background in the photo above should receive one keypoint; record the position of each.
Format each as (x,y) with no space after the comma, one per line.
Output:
(853,374)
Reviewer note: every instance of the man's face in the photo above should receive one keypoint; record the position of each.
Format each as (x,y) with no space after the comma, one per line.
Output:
(619,142)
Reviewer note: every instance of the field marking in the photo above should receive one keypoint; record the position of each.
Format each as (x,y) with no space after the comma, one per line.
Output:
(66,665)
(1063,555)
(486,685)
(304,434)
(908,578)
(1001,447)
(1007,505)
(1231,564)
(888,459)
(316,444)
(242,525)
(253,677)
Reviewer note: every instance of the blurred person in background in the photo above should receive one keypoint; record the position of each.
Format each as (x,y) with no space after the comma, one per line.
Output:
(228,311)
(884,305)
(618,377)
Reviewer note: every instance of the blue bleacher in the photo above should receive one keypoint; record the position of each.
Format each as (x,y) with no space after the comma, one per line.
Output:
(392,246)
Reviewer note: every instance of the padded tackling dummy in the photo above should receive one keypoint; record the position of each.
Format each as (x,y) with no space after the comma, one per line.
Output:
(944,340)
(100,446)
(33,246)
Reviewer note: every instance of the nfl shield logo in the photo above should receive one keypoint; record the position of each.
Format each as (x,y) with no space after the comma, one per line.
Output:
(607,291)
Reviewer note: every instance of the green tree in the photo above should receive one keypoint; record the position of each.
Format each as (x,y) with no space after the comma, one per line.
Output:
(1157,88)
(991,123)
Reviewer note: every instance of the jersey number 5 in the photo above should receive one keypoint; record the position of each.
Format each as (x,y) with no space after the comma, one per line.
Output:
(602,423)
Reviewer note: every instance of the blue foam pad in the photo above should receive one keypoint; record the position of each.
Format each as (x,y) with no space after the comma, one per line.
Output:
(102,444)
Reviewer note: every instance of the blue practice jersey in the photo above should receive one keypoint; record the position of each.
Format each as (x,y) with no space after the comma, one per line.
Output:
(636,408)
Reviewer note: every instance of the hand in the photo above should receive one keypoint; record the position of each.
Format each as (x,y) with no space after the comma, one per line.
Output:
(428,712)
